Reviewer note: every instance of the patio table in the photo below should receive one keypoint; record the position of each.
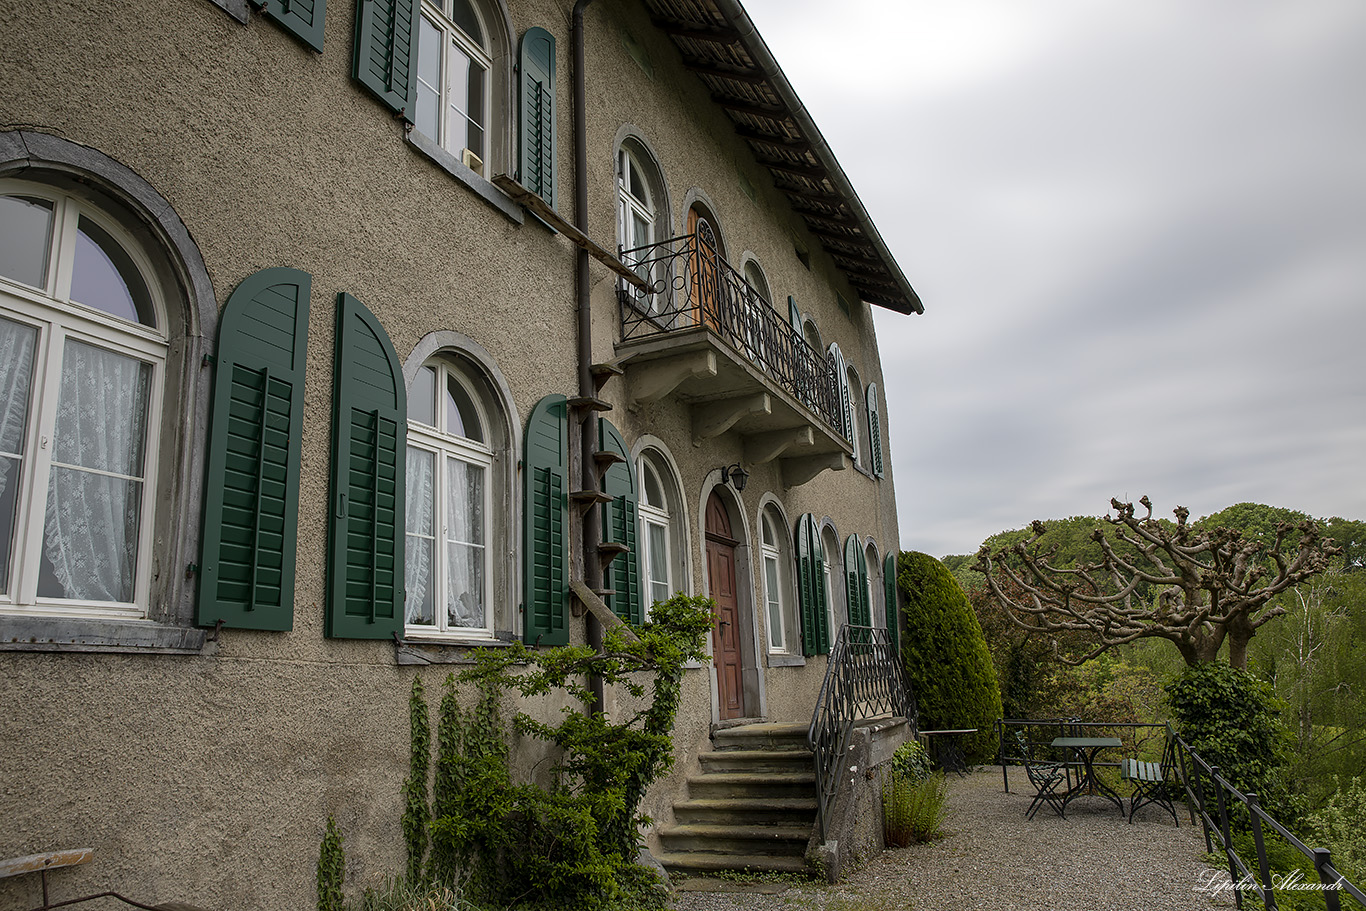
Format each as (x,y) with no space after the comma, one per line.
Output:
(945,749)
(1088,785)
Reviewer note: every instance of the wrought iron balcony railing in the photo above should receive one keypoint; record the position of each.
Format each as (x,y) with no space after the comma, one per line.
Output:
(691,285)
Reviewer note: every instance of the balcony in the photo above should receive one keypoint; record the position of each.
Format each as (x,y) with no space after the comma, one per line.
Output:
(698,332)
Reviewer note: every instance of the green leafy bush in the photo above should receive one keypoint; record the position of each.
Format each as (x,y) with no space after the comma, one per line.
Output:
(331,869)
(946,658)
(1231,719)
(911,761)
(1340,826)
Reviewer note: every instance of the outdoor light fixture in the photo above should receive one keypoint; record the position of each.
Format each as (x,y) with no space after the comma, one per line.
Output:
(736,475)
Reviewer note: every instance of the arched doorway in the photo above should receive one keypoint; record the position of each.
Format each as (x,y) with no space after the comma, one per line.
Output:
(727,653)
(704,263)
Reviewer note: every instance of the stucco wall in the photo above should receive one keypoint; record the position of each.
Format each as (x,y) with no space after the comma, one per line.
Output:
(208,778)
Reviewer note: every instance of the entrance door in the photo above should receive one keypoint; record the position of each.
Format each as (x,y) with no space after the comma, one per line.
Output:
(725,637)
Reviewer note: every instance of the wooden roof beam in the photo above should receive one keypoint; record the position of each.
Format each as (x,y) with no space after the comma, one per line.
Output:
(774,112)
(710,33)
(703,68)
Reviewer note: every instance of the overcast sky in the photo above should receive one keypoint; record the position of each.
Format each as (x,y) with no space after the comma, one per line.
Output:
(1139,231)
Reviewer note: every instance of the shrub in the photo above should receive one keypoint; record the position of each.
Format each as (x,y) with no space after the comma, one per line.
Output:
(1230,717)
(946,658)
(1340,826)
(912,797)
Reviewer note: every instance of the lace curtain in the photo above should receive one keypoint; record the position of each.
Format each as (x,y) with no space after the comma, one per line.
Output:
(16,373)
(417,567)
(94,494)
(464,544)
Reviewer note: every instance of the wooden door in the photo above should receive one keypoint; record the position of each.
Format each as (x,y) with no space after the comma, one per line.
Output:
(725,637)
(705,265)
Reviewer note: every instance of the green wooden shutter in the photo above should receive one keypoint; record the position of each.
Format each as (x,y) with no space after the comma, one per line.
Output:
(874,432)
(536,167)
(545,560)
(384,56)
(251,490)
(301,18)
(369,444)
(811,587)
(620,524)
(856,583)
(841,381)
(794,315)
(893,614)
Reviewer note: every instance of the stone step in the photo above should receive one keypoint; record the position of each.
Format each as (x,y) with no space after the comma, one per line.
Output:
(762,736)
(753,784)
(746,840)
(756,761)
(710,862)
(794,811)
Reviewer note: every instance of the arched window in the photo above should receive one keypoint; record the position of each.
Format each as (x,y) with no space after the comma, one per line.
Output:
(663,549)
(83,349)
(457,45)
(778,564)
(755,277)
(457,579)
(642,221)
(876,601)
(835,604)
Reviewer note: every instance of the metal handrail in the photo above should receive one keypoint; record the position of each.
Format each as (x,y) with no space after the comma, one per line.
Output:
(691,285)
(1240,874)
(863,680)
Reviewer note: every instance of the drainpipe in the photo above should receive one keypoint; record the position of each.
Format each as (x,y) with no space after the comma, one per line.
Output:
(588,439)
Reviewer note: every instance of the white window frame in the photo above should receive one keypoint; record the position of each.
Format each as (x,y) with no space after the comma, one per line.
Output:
(59,319)
(658,517)
(628,203)
(771,556)
(445,445)
(449,135)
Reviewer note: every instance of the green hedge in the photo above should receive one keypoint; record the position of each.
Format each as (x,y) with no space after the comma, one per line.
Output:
(947,662)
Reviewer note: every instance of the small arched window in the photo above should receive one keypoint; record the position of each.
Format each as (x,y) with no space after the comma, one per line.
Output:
(82,363)
(455,436)
(637,200)
(778,564)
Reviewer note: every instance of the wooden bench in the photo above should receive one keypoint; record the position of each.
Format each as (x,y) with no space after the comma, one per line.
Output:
(54,860)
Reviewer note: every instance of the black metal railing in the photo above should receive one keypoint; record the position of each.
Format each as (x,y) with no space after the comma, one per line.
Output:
(863,680)
(691,284)
(1199,778)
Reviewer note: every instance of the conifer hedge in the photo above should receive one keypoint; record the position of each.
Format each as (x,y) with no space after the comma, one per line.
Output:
(947,662)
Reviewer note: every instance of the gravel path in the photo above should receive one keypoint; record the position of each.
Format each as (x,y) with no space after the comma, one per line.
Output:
(993,858)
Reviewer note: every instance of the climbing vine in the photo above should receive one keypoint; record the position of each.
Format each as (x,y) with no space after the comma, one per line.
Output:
(416,811)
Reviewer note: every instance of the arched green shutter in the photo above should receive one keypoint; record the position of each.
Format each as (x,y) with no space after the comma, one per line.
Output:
(856,583)
(893,613)
(251,490)
(841,389)
(301,18)
(874,432)
(369,445)
(545,560)
(536,167)
(384,57)
(811,587)
(619,525)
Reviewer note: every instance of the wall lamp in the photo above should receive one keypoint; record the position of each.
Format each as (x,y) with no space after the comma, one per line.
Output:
(736,475)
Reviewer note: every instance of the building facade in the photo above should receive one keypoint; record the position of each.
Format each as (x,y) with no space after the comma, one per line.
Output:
(337,340)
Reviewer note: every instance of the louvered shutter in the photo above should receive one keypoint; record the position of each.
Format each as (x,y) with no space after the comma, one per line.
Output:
(811,587)
(301,18)
(841,389)
(251,490)
(545,524)
(874,432)
(384,56)
(619,525)
(893,614)
(536,167)
(369,444)
(856,587)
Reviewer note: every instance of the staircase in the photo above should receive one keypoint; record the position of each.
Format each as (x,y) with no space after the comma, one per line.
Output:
(751,807)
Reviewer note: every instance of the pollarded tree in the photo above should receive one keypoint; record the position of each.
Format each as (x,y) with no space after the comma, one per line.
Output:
(1211,585)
